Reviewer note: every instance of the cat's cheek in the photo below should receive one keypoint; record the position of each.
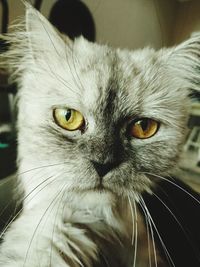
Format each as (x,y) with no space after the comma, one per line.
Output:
(159,153)
(59,131)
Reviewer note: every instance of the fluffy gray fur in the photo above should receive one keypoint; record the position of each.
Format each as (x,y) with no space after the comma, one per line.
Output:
(66,219)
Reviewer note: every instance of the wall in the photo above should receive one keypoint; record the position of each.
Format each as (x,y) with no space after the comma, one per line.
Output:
(124,23)
(133,23)
(188,20)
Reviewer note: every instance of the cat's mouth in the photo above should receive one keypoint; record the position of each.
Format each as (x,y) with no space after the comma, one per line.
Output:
(120,184)
(101,187)
(106,183)
(120,180)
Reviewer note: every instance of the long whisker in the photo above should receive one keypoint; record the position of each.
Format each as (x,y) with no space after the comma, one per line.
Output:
(134,238)
(132,217)
(156,229)
(43,166)
(53,75)
(54,225)
(8,223)
(44,224)
(58,77)
(60,56)
(175,218)
(148,238)
(4,181)
(79,80)
(52,203)
(176,185)
(149,225)
(7,205)
(33,190)
(136,233)
(173,215)
(24,198)
(105,259)
(69,66)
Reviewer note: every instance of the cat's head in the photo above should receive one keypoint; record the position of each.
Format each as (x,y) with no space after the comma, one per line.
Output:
(97,118)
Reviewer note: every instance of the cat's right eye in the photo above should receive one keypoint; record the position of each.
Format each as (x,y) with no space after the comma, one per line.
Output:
(69,119)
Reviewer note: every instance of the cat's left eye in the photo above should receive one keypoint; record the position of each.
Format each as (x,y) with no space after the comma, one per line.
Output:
(69,119)
(144,128)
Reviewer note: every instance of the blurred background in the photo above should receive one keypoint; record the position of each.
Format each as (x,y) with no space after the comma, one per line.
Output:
(120,23)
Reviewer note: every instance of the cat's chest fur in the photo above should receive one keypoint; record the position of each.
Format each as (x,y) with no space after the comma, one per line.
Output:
(121,239)
(106,223)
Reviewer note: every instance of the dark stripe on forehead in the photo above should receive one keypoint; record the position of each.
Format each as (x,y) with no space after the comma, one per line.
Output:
(110,100)
(112,86)
(107,102)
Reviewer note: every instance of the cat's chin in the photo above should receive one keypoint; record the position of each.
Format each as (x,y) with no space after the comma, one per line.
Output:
(113,188)
(109,192)
(92,199)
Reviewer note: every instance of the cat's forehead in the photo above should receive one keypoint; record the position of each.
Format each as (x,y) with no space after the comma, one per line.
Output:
(118,78)
(99,80)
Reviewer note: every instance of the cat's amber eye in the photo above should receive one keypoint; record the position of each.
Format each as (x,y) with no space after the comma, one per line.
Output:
(144,128)
(69,119)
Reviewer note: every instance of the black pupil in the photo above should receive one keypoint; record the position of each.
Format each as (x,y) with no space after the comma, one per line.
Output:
(144,124)
(68,114)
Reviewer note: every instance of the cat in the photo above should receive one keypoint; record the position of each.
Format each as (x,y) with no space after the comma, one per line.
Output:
(100,132)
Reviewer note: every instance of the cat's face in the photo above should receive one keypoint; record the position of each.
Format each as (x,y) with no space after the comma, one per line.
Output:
(114,92)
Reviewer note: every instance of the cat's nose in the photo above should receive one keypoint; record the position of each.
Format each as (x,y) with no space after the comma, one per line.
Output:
(103,169)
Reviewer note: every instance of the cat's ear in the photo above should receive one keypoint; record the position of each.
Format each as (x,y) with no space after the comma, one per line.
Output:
(184,60)
(43,38)
(33,43)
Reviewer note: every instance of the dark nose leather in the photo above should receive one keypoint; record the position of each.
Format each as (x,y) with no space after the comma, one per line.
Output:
(103,169)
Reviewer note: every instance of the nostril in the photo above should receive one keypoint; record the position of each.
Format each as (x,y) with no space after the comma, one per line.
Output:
(103,169)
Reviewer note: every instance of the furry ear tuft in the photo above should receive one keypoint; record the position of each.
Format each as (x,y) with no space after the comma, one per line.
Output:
(185,61)
(44,39)
(42,35)
(32,41)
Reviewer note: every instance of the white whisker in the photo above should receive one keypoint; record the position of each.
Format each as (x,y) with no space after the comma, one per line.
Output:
(149,224)
(136,234)
(29,194)
(72,73)
(156,229)
(54,224)
(173,215)
(48,209)
(148,235)
(134,238)
(133,220)
(176,185)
